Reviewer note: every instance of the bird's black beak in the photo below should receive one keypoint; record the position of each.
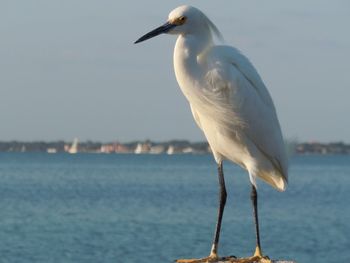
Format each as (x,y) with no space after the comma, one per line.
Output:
(159,30)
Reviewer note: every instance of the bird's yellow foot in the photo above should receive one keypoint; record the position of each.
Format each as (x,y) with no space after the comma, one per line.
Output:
(213,258)
(261,258)
(256,258)
(253,259)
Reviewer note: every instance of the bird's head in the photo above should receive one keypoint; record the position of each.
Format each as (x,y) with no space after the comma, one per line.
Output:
(184,20)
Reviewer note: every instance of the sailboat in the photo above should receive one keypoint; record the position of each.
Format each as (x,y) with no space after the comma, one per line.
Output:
(74,147)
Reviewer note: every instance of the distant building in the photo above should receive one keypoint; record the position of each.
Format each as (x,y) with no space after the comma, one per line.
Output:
(157,149)
(107,148)
(51,150)
(142,148)
(322,148)
(120,148)
(188,150)
(169,147)
(114,148)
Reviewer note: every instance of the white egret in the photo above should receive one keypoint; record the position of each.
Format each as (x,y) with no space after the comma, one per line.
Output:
(231,105)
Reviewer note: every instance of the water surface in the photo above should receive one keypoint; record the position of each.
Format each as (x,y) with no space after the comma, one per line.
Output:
(156,208)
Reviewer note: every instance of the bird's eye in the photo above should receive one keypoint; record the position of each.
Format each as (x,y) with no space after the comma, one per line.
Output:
(181,20)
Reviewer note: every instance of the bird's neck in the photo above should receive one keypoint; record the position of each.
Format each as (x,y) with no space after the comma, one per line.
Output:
(189,68)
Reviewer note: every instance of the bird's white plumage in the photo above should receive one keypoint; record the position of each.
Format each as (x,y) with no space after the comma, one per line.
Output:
(229,101)
(232,106)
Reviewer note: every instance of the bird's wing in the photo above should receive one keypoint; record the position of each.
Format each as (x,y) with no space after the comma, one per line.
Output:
(246,103)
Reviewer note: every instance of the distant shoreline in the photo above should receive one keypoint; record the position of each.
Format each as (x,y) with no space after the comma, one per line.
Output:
(151,147)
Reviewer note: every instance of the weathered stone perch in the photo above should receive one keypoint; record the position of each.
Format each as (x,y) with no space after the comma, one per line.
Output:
(273,261)
(236,260)
(262,261)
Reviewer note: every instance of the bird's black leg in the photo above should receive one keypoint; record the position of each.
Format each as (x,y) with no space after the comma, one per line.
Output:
(213,257)
(222,202)
(254,198)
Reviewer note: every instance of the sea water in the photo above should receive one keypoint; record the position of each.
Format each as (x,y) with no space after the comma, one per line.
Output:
(157,208)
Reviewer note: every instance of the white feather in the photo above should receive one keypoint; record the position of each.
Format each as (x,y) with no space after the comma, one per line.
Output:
(232,106)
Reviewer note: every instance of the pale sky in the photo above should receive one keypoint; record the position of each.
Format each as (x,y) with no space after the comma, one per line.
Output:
(69,68)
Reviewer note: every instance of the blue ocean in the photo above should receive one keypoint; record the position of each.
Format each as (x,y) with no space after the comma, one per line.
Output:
(157,208)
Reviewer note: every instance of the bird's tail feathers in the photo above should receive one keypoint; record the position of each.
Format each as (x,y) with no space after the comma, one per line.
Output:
(275,179)
(277,175)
